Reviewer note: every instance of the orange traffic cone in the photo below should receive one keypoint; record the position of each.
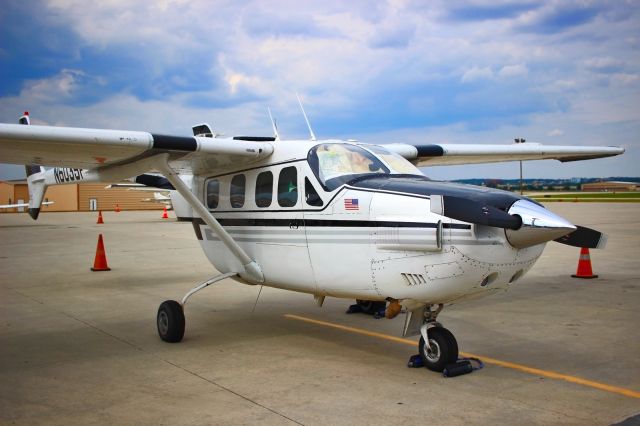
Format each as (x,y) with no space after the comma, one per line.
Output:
(99,218)
(117,208)
(164,213)
(100,262)
(584,265)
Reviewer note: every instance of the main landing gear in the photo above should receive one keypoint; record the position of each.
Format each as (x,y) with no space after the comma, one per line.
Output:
(437,347)
(170,318)
(170,321)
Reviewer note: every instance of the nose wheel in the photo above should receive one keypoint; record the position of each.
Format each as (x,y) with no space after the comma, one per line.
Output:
(441,350)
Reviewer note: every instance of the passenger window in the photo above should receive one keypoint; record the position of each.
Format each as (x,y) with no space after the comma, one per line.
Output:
(213,193)
(311,195)
(264,189)
(288,187)
(236,191)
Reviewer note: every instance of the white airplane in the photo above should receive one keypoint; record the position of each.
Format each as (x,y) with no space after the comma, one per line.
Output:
(328,218)
(161,197)
(163,193)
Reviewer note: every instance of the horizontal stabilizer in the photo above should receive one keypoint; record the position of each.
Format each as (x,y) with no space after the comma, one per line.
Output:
(18,205)
(584,237)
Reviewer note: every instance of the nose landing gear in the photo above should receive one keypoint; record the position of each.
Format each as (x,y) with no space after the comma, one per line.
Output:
(441,351)
(437,346)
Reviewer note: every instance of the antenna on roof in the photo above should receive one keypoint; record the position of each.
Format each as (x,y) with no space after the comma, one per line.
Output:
(274,125)
(313,136)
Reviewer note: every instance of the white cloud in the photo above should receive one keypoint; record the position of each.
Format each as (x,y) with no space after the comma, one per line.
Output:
(517,70)
(565,84)
(625,79)
(604,64)
(62,85)
(477,73)
(138,22)
(555,132)
(409,60)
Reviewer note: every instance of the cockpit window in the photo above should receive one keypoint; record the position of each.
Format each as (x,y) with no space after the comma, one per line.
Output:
(337,163)
(398,163)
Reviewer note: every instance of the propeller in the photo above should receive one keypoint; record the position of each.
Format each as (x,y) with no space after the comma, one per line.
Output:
(584,237)
(525,223)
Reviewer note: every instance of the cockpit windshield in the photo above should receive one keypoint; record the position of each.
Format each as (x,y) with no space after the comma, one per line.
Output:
(398,163)
(337,163)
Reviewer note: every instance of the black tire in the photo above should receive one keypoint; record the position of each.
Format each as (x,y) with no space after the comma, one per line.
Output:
(453,345)
(443,349)
(371,306)
(170,321)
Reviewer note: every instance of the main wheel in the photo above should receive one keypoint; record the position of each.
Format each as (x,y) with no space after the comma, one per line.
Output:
(442,349)
(170,321)
(370,306)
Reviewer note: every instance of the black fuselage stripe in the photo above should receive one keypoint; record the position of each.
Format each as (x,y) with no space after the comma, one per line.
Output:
(332,223)
(174,143)
(254,138)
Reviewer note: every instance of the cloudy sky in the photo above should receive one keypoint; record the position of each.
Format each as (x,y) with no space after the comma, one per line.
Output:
(486,71)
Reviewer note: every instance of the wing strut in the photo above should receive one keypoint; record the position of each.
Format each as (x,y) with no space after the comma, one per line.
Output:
(251,268)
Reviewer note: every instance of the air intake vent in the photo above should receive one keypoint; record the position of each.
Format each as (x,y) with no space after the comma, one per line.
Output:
(414,279)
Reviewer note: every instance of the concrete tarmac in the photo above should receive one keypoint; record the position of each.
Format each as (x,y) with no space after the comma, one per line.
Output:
(81,347)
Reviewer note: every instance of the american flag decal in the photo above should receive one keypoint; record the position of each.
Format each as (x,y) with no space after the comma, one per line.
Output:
(351,204)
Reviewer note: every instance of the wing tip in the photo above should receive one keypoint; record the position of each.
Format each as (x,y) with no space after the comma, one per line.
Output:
(34,213)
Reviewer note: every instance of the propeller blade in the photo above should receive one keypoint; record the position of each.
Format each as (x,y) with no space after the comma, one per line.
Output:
(584,237)
(473,212)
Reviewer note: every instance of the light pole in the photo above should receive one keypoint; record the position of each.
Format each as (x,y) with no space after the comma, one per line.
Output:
(520,140)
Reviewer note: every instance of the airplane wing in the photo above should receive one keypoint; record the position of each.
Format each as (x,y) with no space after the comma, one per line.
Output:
(452,154)
(99,148)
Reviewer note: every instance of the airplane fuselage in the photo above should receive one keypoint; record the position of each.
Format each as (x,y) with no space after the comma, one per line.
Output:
(373,237)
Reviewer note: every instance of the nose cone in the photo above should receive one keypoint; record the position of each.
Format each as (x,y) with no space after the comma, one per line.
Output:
(539,225)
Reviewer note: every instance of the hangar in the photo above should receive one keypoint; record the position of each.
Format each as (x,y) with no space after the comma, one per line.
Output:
(78,197)
(611,186)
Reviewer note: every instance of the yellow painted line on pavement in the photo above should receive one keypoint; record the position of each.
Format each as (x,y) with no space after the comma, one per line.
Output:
(486,360)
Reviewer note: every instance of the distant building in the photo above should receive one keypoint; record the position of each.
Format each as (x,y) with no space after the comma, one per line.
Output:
(78,198)
(611,186)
